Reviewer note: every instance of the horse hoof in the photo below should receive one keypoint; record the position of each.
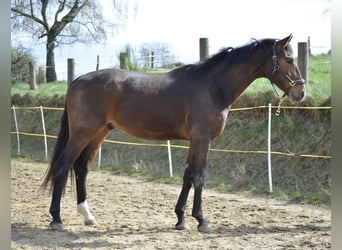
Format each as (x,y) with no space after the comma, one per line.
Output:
(56,226)
(90,222)
(205,228)
(182,226)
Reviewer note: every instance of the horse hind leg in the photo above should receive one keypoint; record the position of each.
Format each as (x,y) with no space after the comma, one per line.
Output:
(181,203)
(81,168)
(60,174)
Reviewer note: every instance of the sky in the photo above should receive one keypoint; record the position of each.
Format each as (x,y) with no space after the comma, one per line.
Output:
(180,24)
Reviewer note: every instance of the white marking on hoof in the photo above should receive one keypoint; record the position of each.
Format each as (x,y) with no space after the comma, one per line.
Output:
(83,209)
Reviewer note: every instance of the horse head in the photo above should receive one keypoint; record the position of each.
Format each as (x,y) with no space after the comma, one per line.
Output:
(284,72)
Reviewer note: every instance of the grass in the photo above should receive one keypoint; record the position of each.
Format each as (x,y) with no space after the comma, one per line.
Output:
(318,87)
(43,90)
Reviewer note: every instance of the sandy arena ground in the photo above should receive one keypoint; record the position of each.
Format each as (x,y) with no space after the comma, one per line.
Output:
(137,214)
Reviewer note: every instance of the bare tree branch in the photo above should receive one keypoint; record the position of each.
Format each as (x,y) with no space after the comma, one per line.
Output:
(43,12)
(70,21)
(30,16)
(60,9)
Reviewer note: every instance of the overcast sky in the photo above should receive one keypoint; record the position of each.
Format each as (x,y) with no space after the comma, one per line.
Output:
(180,23)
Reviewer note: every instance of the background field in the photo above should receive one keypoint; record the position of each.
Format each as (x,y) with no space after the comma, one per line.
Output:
(297,178)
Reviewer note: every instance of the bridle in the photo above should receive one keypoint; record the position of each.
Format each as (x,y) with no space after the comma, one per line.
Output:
(277,68)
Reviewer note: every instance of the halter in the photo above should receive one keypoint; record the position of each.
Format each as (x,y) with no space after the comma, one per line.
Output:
(276,67)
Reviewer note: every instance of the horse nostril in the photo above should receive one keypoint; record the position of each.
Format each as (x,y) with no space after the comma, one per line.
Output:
(303,94)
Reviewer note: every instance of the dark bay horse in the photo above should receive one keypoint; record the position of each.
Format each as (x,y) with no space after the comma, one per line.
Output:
(189,103)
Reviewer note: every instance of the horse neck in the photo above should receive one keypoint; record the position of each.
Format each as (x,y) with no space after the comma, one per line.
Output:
(235,78)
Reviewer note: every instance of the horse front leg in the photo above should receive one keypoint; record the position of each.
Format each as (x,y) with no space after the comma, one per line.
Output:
(199,180)
(194,173)
(60,173)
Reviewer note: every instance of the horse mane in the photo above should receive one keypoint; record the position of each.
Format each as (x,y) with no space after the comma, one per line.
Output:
(229,55)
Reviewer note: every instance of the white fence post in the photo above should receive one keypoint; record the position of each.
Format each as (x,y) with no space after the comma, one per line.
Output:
(269,149)
(44,132)
(99,157)
(16,129)
(170,158)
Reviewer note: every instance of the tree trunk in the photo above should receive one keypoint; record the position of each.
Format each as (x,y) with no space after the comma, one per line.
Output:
(51,75)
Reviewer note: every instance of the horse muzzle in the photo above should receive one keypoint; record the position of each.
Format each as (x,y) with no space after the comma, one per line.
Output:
(297,92)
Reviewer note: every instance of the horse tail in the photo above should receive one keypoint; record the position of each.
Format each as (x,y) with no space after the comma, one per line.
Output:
(62,139)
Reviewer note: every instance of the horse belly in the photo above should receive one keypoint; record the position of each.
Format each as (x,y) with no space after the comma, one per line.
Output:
(149,125)
(151,131)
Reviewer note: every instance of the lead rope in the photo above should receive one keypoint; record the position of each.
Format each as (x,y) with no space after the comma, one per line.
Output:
(313,146)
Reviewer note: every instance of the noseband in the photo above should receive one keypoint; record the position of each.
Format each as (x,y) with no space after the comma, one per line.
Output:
(276,68)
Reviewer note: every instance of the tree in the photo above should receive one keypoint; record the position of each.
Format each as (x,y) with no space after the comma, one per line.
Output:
(128,59)
(61,22)
(161,53)
(20,59)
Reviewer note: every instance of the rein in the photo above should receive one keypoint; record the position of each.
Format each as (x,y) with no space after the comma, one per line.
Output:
(277,68)
(313,146)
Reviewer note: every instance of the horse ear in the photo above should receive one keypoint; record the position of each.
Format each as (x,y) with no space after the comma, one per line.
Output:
(284,42)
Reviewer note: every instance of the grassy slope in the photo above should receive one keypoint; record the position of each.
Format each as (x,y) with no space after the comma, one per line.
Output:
(305,179)
(319,87)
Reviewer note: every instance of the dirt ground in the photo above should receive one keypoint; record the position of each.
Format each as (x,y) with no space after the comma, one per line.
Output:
(137,214)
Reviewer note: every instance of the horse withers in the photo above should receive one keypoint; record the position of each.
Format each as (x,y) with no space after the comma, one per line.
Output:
(189,103)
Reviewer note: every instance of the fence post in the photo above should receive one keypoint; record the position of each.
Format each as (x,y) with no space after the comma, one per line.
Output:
(303,58)
(269,149)
(71,70)
(100,149)
(152,60)
(99,156)
(170,158)
(44,131)
(97,62)
(16,129)
(123,60)
(41,77)
(33,84)
(204,48)
(309,46)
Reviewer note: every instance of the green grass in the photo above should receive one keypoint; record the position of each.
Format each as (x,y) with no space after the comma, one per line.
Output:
(43,90)
(318,87)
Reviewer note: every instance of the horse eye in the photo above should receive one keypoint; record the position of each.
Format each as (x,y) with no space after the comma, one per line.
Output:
(289,60)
